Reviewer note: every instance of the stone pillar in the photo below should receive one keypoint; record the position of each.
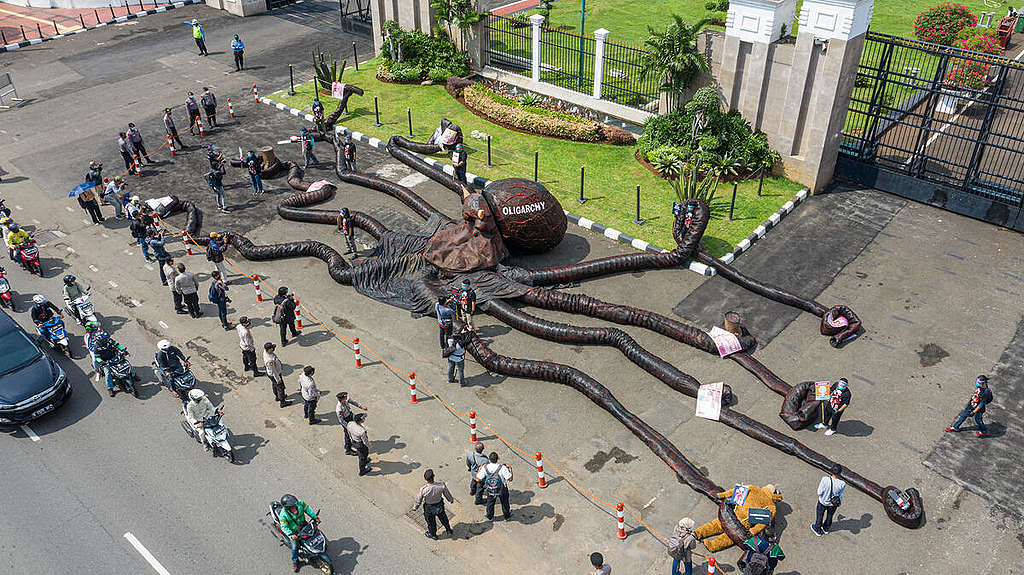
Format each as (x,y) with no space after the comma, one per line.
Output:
(536,20)
(600,35)
(477,40)
(751,26)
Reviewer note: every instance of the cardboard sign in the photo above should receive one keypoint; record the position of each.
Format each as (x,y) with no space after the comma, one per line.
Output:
(757,516)
(337,90)
(739,494)
(709,400)
(317,185)
(836,321)
(726,341)
(449,136)
(822,390)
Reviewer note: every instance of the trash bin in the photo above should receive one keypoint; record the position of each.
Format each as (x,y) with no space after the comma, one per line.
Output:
(1020,25)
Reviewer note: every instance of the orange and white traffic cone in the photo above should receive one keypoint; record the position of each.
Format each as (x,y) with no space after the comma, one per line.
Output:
(412,388)
(255,93)
(541,481)
(621,518)
(472,427)
(199,122)
(170,144)
(712,566)
(355,347)
(256,286)
(138,166)
(188,247)
(298,314)
(231,109)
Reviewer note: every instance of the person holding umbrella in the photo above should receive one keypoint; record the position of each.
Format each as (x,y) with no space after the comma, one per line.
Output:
(87,201)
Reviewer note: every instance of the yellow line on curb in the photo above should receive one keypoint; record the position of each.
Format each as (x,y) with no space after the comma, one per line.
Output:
(65,30)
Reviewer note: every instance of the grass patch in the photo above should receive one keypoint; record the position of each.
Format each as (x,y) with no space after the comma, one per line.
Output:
(612,173)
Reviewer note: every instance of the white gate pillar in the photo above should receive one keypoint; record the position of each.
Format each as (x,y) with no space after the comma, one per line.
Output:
(536,20)
(600,35)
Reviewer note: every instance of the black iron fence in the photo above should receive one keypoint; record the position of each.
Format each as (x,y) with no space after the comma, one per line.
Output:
(950,119)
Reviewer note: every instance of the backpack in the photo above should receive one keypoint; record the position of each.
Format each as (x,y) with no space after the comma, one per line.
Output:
(493,482)
(757,564)
(213,295)
(678,545)
(278,316)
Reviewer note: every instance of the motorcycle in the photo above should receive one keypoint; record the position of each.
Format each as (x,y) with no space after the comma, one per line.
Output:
(213,434)
(84,307)
(29,254)
(122,374)
(184,381)
(52,330)
(312,542)
(6,298)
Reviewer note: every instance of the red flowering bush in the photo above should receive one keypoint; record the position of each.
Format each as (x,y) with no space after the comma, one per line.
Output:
(964,73)
(940,24)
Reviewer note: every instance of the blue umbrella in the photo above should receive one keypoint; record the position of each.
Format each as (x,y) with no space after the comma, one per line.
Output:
(81,189)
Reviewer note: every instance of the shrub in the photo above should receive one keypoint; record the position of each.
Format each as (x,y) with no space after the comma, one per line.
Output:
(973,32)
(718,17)
(530,99)
(455,85)
(438,75)
(384,74)
(970,74)
(942,23)
(421,51)
(529,119)
(618,136)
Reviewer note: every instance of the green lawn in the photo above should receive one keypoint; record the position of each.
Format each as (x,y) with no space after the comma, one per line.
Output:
(612,173)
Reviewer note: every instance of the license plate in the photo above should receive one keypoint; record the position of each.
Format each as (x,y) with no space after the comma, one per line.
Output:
(39,412)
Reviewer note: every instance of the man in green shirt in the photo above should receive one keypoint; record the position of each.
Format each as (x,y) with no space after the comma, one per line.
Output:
(292,517)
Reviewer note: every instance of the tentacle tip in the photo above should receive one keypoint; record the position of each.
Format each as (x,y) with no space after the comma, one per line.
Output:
(904,508)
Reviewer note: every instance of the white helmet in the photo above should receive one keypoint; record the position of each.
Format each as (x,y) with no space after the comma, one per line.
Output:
(196,394)
(135,199)
(194,21)
(163,344)
(38,298)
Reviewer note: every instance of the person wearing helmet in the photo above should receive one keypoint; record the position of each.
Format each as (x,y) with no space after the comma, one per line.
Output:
(459,163)
(215,157)
(215,253)
(134,207)
(42,310)
(5,226)
(105,350)
(200,37)
(199,409)
(306,142)
(345,227)
(348,153)
(170,361)
(15,238)
(93,334)
(72,291)
(292,518)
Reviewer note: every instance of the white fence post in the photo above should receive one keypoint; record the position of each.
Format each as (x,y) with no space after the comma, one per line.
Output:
(600,35)
(536,20)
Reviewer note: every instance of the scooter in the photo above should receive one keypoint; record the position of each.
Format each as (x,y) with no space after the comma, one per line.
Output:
(213,434)
(29,254)
(312,543)
(84,307)
(184,381)
(6,298)
(52,330)
(122,373)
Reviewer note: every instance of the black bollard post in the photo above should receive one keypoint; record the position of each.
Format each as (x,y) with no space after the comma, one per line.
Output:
(376,112)
(536,165)
(409,113)
(96,15)
(40,30)
(111,11)
(760,182)
(291,81)
(141,7)
(489,164)
(127,6)
(732,203)
(581,199)
(637,220)
(355,56)
(56,30)
(23,36)
(3,37)
(81,19)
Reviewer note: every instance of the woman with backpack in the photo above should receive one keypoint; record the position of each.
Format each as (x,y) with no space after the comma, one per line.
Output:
(681,545)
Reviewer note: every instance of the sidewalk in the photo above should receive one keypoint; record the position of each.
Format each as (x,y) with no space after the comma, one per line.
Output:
(53,21)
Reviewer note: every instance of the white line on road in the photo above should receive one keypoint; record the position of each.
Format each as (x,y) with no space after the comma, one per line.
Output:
(112,284)
(17,207)
(94,268)
(163,325)
(149,267)
(146,554)
(68,208)
(71,249)
(104,235)
(35,221)
(31,434)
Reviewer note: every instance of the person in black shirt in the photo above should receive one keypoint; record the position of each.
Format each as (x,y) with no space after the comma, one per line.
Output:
(975,407)
(459,163)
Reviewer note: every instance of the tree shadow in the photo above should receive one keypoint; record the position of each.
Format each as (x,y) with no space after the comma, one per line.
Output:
(854,428)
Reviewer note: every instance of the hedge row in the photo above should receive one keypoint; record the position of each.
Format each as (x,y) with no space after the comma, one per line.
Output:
(534,120)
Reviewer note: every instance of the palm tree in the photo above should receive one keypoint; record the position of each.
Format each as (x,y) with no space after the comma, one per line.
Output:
(673,55)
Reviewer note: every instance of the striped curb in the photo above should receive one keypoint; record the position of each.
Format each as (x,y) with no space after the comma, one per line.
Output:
(580,221)
(125,18)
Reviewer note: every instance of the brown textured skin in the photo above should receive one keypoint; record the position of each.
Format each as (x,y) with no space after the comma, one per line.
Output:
(537,230)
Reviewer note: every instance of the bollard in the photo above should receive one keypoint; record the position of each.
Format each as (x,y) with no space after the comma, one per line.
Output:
(81,19)
(355,348)
(39,29)
(141,7)
(291,81)
(298,314)
(355,56)
(409,112)
(231,109)
(583,172)
(412,388)
(138,165)
(489,164)
(127,6)
(111,11)
(621,518)
(638,221)
(541,481)
(170,144)
(23,36)
(376,112)
(712,566)
(188,246)
(3,37)
(732,204)
(55,29)
(536,164)
(472,427)
(256,286)
(96,14)
(199,122)
(255,93)
(760,182)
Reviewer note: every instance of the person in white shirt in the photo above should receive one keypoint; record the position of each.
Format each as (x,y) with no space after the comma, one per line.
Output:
(495,477)
(600,567)
(248,346)
(273,366)
(344,411)
(310,394)
(830,495)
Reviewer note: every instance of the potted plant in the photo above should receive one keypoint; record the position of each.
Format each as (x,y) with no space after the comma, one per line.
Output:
(327,70)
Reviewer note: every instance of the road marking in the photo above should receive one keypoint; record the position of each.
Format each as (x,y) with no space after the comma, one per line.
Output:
(35,221)
(136,302)
(149,267)
(31,434)
(112,284)
(71,249)
(68,208)
(104,235)
(94,268)
(163,325)
(17,207)
(146,554)
(59,233)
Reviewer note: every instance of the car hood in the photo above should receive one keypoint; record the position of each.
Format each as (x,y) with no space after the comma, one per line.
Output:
(27,381)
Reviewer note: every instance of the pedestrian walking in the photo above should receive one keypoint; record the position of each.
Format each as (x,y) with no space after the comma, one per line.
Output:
(188,286)
(192,108)
(346,227)
(975,407)
(172,131)
(247,345)
(456,354)
(126,152)
(158,244)
(345,415)
(431,496)
(832,409)
(238,49)
(171,273)
(138,146)
(254,165)
(215,254)
(466,302)
(600,567)
(307,143)
(445,314)
(681,545)
(284,314)
(310,394)
(475,459)
(95,176)
(357,431)
(87,201)
(209,104)
(459,157)
(200,37)
(348,154)
(140,232)
(494,477)
(114,193)
(318,115)
(218,295)
(215,179)
(274,372)
(830,496)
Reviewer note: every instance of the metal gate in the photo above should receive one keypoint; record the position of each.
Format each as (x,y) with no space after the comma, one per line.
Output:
(939,125)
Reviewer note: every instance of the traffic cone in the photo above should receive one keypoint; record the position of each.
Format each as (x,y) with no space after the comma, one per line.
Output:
(712,566)
(472,427)
(231,109)
(170,144)
(412,388)
(620,515)
(199,122)
(138,166)
(255,93)
(188,247)
(541,481)
(298,314)
(256,286)
(359,359)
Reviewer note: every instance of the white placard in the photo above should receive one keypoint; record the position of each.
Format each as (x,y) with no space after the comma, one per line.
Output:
(726,341)
(709,400)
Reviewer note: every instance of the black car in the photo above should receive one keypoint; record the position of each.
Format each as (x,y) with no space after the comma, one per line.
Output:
(31,384)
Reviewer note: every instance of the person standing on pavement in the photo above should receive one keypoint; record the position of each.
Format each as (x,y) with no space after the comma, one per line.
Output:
(310,394)
(254,165)
(494,478)
(172,131)
(284,313)
(600,567)
(218,296)
(431,496)
(156,242)
(475,459)
(137,144)
(87,201)
(238,49)
(274,373)
(192,108)
(466,303)
(357,431)
(188,286)
(200,37)
(215,253)
(459,157)
(832,409)
(681,545)
(114,193)
(307,143)
(830,496)
(456,354)
(140,232)
(345,415)
(445,314)
(318,115)
(975,407)
(126,152)
(215,179)
(348,150)
(171,273)
(209,103)
(247,345)
(346,227)
(95,176)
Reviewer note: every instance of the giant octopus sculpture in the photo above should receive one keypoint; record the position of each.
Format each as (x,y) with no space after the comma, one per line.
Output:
(409,270)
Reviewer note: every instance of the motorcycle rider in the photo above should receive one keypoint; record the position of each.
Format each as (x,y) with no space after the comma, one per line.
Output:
(42,311)
(170,362)
(5,227)
(105,350)
(72,291)
(292,518)
(198,410)
(93,331)
(15,238)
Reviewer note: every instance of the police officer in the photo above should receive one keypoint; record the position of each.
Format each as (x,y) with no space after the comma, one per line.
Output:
(348,150)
